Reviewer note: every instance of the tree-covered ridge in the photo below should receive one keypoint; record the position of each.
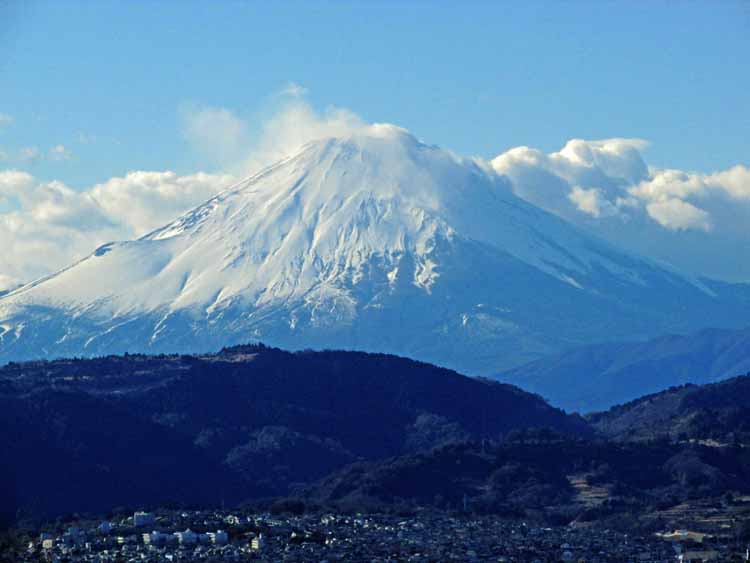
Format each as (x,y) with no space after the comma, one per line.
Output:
(85,434)
(719,412)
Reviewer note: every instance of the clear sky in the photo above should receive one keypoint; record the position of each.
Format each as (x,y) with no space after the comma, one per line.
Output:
(106,79)
(115,117)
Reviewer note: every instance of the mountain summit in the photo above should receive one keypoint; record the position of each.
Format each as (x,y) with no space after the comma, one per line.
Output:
(373,241)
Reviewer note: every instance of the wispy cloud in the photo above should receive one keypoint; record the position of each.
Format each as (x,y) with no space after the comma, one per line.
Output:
(33,155)
(59,153)
(29,154)
(215,132)
(85,138)
(243,147)
(294,124)
(294,90)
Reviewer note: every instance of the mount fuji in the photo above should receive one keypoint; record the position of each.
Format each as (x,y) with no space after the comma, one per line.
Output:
(373,241)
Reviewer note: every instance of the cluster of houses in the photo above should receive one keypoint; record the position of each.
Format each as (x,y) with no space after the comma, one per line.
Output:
(429,536)
(134,539)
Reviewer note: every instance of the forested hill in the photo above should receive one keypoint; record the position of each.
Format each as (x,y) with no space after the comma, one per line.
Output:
(536,475)
(718,412)
(249,421)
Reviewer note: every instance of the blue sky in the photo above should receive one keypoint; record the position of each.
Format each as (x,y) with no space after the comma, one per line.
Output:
(134,112)
(107,79)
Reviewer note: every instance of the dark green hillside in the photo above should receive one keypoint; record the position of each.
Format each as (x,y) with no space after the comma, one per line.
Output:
(719,412)
(550,478)
(249,421)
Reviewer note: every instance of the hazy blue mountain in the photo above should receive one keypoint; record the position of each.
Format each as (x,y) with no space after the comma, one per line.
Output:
(597,377)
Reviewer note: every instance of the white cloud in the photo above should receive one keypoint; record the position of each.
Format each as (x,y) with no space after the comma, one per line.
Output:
(60,153)
(592,202)
(584,176)
(215,132)
(244,148)
(678,215)
(56,204)
(40,239)
(295,124)
(294,90)
(691,219)
(33,155)
(610,178)
(142,201)
(733,184)
(5,119)
(13,182)
(735,181)
(30,154)
(85,138)
(49,225)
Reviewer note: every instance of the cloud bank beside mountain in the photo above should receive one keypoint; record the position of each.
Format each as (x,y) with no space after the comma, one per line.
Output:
(696,221)
(45,226)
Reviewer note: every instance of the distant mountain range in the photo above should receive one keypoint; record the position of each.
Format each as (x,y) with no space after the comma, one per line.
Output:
(376,242)
(600,376)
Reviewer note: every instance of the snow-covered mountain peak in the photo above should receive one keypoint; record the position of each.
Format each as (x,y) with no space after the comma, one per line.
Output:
(315,222)
(373,194)
(372,223)
(317,218)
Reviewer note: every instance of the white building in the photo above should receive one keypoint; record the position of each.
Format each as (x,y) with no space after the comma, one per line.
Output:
(188,537)
(48,544)
(219,537)
(258,543)
(155,538)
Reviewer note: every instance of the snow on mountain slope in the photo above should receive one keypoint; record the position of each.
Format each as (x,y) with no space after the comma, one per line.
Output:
(375,241)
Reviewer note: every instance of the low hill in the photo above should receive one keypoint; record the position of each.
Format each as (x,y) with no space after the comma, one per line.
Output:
(594,378)
(247,422)
(555,479)
(718,412)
